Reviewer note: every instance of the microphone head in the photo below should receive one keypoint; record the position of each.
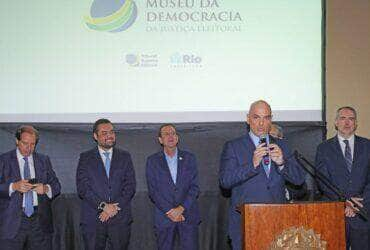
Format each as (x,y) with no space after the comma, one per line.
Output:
(263,138)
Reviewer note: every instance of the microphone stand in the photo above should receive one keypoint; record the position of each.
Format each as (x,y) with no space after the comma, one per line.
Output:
(321,177)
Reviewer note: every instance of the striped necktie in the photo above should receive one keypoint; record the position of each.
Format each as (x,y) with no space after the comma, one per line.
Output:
(348,155)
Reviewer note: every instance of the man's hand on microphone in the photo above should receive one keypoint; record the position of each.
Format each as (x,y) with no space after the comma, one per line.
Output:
(276,154)
(259,153)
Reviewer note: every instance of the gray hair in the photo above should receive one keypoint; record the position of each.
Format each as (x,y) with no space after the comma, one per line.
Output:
(346,107)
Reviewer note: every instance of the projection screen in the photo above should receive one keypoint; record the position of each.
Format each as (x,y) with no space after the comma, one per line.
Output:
(159,60)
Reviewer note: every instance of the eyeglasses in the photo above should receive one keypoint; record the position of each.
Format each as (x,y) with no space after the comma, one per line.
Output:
(105,133)
(168,133)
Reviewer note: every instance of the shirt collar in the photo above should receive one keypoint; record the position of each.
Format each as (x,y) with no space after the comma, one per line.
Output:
(102,151)
(21,157)
(169,157)
(351,139)
(256,139)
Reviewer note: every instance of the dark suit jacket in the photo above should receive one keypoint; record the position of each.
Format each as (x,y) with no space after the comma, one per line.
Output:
(94,187)
(167,195)
(12,214)
(330,162)
(250,185)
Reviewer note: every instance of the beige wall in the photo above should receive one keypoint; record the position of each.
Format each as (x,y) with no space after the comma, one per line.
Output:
(348,60)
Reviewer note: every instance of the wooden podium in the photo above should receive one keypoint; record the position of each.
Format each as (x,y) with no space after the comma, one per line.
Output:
(262,224)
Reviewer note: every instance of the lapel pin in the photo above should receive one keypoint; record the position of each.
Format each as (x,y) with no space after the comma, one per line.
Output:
(180,158)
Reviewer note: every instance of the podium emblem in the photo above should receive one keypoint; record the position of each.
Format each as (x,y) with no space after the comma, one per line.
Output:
(298,238)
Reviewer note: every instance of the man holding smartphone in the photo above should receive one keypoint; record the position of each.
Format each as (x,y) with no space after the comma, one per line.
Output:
(27,186)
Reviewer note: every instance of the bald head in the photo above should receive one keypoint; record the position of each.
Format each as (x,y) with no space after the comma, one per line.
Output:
(259,118)
(260,103)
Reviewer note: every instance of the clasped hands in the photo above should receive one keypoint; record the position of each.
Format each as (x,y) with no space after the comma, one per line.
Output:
(23,186)
(176,214)
(275,152)
(110,210)
(351,210)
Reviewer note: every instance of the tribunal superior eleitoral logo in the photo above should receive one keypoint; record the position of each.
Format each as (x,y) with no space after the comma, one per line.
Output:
(111,15)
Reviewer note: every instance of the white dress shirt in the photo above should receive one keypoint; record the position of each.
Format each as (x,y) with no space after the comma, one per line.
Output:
(21,163)
(351,141)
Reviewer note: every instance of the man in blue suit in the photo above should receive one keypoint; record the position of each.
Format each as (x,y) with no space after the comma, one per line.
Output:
(345,160)
(28,184)
(106,184)
(172,180)
(255,167)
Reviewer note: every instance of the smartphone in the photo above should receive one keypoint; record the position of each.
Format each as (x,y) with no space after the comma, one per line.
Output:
(32,181)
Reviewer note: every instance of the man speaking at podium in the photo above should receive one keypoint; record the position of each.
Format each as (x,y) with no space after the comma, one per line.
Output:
(255,167)
(345,159)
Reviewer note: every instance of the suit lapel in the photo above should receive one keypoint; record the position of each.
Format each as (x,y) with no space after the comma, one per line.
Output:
(15,165)
(357,152)
(338,151)
(37,167)
(180,165)
(114,161)
(16,172)
(100,165)
(248,143)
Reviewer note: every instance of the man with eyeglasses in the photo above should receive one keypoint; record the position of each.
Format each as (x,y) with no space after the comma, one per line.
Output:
(345,160)
(28,184)
(172,179)
(106,185)
(255,168)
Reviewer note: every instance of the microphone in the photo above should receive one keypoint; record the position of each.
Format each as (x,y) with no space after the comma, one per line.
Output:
(266,158)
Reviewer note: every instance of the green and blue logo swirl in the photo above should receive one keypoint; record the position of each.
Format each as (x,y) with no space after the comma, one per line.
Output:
(111,15)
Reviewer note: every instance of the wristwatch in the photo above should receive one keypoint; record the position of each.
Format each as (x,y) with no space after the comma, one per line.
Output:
(101,206)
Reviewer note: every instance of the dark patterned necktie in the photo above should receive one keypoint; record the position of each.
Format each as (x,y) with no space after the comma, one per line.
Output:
(348,155)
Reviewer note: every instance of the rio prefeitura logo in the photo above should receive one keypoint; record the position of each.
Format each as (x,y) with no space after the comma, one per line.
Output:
(111,15)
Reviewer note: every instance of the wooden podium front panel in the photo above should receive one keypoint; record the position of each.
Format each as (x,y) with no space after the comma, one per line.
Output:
(262,223)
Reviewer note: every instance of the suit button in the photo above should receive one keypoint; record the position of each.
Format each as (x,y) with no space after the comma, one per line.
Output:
(175,189)
(350,182)
(268,188)
(110,187)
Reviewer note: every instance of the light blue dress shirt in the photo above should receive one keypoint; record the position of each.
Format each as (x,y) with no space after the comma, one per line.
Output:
(172,165)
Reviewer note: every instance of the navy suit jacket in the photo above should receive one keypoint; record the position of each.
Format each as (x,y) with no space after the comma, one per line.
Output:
(11,213)
(166,195)
(94,187)
(330,161)
(251,185)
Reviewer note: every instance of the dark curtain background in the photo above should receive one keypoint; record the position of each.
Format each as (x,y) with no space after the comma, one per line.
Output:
(64,142)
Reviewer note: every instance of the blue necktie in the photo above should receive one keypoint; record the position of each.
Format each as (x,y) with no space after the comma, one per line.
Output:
(107,163)
(348,155)
(28,200)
